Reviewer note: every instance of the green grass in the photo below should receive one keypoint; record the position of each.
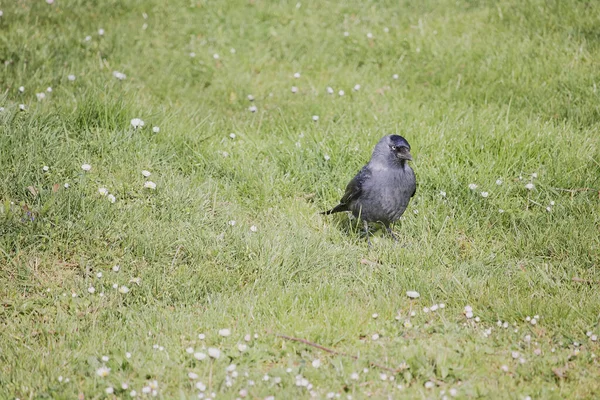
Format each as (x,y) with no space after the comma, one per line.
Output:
(485,91)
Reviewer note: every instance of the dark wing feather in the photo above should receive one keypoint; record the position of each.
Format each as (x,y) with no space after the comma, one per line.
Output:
(353,191)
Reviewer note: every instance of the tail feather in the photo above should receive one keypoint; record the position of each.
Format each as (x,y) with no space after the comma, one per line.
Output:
(339,208)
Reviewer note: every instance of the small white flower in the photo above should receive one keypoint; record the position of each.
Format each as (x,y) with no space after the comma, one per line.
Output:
(252,109)
(73,295)
(146,173)
(552,203)
(594,338)
(103,191)
(22,107)
(201,386)
(155,129)
(412,294)
(528,318)
(395,76)
(137,123)
(146,389)
(477,319)
(45,168)
(504,368)
(103,371)
(101,32)
(326,157)
(22,89)
(250,97)
(49,89)
(216,56)
(549,209)
(442,193)
(104,358)
(192,54)
(224,332)
(442,305)
(530,186)
(124,289)
(109,390)
(71,78)
(60,378)
(189,350)
(356,87)
(214,352)
(316,363)
(375,316)
(150,185)
(425,310)
(375,336)
(534,175)
(91,289)
(484,194)
(88,38)
(242,347)
(354,376)
(294,89)
(266,378)
(434,307)
(472,186)
(533,321)
(469,314)
(66,185)
(341,93)
(329,90)
(500,211)
(429,385)
(40,96)
(415,211)
(86,167)
(383,377)
(315,118)
(116,268)
(346,34)
(127,355)
(297,75)
(253,228)
(453,392)
(232,223)
(248,337)
(192,375)
(386,29)
(515,354)
(370,35)
(201,336)
(200,356)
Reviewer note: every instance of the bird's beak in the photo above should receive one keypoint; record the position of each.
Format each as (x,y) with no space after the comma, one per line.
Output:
(404,154)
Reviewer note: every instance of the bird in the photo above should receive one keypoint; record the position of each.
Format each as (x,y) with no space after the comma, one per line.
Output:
(382,189)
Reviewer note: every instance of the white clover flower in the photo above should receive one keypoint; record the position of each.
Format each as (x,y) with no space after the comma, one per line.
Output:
(500,211)
(386,29)
(146,174)
(60,378)
(45,168)
(434,307)
(354,376)
(375,316)
(137,123)
(534,175)
(200,356)
(127,355)
(146,389)
(201,336)
(214,352)
(103,191)
(425,310)
(413,294)
(124,289)
(109,390)
(515,354)
(224,332)
(119,75)
(472,186)
(88,38)
(22,89)
(86,167)
(216,56)
(315,118)
(247,337)
(341,93)
(189,350)
(484,194)
(375,336)
(22,107)
(356,87)
(395,76)
(346,34)
(370,35)
(442,305)
(101,32)
(103,371)
(453,392)
(91,289)
(242,347)
(40,96)
(429,385)
(192,54)
(594,338)
(530,186)
(71,78)
(329,90)
(297,75)
(253,228)
(504,368)
(326,157)
(250,97)
(99,275)
(104,358)
(316,363)
(252,109)
(552,203)
(232,223)
(192,375)
(150,185)
(116,268)
(383,376)
(49,89)
(294,89)
(442,193)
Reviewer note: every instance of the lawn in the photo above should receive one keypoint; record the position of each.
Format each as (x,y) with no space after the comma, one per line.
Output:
(195,281)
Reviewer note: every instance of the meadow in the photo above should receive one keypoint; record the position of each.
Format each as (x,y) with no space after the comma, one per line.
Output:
(163,165)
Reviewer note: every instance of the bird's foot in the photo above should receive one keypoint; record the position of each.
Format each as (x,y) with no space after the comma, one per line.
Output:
(392,234)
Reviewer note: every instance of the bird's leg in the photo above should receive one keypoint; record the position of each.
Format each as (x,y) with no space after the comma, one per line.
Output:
(367,232)
(387,227)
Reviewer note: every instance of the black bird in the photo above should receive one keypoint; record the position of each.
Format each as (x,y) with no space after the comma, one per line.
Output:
(380,192)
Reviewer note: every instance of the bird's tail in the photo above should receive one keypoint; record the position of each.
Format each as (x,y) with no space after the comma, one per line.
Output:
(339,208)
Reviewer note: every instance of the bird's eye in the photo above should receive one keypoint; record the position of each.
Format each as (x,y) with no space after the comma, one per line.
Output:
(393,148)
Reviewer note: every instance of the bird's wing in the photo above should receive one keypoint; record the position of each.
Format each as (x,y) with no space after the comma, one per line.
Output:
(354,188)
(415,180)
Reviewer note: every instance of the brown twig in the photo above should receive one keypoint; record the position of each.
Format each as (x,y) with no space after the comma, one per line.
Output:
(579,280)
(339,353)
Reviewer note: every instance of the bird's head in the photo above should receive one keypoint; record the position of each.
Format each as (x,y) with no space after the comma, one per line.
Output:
(393,148)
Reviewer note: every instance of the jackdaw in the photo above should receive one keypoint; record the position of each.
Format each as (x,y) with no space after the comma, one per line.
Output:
(380,192)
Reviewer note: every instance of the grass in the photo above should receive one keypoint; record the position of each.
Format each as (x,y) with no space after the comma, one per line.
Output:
(485,91)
